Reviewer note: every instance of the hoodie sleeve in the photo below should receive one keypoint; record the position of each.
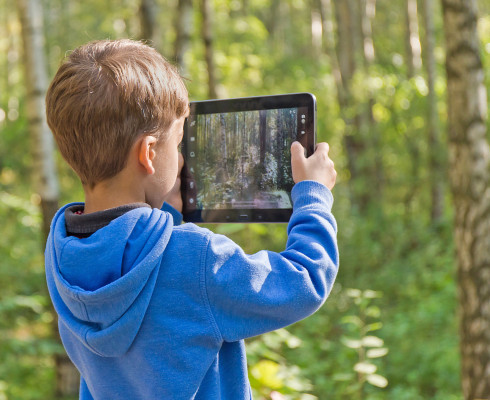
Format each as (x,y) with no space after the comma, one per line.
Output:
(253,294)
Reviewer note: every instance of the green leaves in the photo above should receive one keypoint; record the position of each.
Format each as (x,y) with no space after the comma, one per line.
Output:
(376,353)
(372,341)
(365,368)
(266,373)
(269,371)
(377,380)
(366,346)
(265,47)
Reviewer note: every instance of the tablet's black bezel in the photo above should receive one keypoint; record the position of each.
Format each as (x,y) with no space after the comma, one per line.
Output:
(308,139)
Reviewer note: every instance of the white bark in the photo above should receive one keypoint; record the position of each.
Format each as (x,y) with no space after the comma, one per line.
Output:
(469,171)
(44,171)
(414,49)
(368,11)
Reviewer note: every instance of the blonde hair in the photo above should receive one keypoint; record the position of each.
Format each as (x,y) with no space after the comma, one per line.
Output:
(103,97)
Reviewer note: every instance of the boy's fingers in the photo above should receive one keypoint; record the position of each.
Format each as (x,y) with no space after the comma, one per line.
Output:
(322,146)
(297,151)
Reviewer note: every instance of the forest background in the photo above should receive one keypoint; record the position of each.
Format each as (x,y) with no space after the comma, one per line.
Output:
(390,327)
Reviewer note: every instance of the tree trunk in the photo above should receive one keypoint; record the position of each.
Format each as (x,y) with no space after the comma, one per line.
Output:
(413,61)
(273,24)
(346,62)
(224,152)
(207,35)
(435,148)
(279,146)
(329,42)
(412,39)
(368,10)
(147,14)
(183,31)
(8,66)
(358,139)
(469,159)
(375,167)
(316,30)
(44,171)
(262,135)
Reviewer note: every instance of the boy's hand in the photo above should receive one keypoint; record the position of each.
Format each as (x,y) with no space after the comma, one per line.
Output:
(174,197)
(318,167)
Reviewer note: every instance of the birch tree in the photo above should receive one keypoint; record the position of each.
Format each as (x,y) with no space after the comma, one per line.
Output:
(434,141)
(412,39)
(44,171)
(43,149)
(469,172)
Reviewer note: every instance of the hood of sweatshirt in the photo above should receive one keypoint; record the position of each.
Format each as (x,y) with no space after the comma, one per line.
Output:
(101,285)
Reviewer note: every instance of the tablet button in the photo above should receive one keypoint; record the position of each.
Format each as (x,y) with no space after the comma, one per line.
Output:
(243,217)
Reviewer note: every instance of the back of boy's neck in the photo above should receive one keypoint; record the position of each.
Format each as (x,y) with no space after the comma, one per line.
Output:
(104,197)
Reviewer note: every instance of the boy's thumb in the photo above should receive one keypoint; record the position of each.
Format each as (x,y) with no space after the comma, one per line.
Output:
(297,151)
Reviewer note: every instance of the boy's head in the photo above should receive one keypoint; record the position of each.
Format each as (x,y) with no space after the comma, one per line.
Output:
(106,95)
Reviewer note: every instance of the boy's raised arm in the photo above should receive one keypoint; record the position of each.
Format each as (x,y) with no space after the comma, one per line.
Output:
(252,294)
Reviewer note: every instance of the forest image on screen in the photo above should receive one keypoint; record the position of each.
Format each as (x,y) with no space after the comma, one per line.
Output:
(244,159)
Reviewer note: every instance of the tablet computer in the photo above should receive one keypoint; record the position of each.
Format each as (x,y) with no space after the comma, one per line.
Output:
(237,158)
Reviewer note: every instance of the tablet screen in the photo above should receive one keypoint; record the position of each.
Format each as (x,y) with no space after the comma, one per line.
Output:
(238,160)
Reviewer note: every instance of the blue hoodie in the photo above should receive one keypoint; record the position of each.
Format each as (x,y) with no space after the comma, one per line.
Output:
(149,310)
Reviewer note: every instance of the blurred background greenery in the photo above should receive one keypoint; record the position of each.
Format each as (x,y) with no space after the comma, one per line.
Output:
(389,329)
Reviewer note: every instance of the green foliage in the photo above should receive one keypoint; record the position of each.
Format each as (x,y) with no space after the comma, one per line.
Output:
(265,47)
(368,347)
(26,341)
(270,374)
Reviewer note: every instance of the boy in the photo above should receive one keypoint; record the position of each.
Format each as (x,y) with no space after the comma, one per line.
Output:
(149,308)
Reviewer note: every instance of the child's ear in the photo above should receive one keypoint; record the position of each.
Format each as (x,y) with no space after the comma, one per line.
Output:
(146,153)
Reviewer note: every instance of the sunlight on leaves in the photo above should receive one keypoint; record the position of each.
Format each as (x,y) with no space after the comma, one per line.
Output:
(375,353)
(266,372)
(355,293)
(352,343)
(3,390)
(371,294)
(374,326)
(377,380)
(352,319)
(372,341)
(365,368)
